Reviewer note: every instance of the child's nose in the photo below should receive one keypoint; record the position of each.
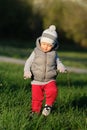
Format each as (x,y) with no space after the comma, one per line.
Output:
(46,46)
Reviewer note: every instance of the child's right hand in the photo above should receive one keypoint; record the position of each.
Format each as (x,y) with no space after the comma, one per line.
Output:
(27,75)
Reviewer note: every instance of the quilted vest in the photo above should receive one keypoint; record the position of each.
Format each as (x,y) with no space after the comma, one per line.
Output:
(44,66)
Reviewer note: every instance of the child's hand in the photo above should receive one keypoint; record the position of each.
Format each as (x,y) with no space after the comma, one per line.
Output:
(62,70)
(27,75)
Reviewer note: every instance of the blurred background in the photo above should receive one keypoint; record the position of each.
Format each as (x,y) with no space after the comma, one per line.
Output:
(22,21)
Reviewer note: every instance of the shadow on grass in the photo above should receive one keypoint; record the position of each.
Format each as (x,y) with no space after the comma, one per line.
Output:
(77,103)
(80,103)
(78,83)
(72,79)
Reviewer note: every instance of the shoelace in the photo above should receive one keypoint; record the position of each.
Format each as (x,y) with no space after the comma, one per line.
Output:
(48,107)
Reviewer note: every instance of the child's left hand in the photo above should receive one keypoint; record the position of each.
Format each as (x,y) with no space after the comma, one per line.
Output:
(27,75)
(62,69)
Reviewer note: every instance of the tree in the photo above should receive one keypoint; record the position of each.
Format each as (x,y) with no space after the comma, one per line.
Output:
(16,18)
(69,17)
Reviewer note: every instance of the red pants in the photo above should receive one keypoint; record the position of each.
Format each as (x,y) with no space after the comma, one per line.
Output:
(50,90)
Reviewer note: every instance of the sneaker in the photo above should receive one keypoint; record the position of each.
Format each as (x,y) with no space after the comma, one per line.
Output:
(46,111)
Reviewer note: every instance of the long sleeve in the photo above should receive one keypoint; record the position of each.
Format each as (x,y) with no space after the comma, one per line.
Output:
(60,66)
(28,62)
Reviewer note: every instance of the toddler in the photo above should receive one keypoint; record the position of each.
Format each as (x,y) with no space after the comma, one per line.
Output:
(42,67)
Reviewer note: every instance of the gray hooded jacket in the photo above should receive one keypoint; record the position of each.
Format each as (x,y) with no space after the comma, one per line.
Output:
(44,67)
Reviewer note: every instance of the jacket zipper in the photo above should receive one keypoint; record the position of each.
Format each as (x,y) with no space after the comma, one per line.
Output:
(45,66)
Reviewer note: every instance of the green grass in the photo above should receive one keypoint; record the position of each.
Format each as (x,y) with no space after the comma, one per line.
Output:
(69,111)
(15,52)
(16,48)
(72,59)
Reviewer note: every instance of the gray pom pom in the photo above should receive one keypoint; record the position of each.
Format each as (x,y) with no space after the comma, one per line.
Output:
(52,27)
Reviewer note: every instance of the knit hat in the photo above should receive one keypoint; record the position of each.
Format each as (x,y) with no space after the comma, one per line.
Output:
(50,35)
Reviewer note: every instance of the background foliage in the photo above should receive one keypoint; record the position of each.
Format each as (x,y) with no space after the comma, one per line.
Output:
(25,19)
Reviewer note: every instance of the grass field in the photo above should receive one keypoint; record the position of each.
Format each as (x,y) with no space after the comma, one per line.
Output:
(72,59)
(69,111)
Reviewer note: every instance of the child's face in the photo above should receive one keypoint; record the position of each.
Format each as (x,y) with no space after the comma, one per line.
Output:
(46,47)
